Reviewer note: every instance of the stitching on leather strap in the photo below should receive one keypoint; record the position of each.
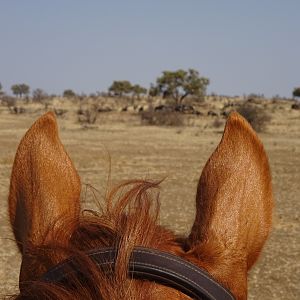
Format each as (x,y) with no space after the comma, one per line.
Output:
(186,264)
(153,265)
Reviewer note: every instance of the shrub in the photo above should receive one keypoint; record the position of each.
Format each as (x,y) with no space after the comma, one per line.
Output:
(69,93)
(217,123)
(296,106)
(9,101)
(88,114)
(256,116)
(162,118)
(296,92)
(17,110)
(38,95)
(59,112)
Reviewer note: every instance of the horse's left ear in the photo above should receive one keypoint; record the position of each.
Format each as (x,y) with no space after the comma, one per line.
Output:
(44,188)
(234,206)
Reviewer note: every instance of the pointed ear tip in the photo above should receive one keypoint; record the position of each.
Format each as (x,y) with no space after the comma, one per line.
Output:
(239,129)
(44,125)
(238,121)
(47,120)
(235,116)
(48,117)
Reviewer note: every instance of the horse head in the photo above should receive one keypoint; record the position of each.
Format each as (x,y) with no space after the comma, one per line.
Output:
(233,213)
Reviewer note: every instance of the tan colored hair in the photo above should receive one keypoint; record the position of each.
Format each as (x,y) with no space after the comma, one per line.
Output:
(233,218)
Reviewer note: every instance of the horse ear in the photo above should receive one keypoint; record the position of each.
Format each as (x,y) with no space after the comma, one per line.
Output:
(234,201)
(44,188)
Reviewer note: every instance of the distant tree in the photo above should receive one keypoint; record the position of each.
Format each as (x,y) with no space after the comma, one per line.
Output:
(180,84)
(138,90)
(1,92)
(120,88)
(69,93)
(296,92)
(38,95)
(25,89)
(154,90)
(20,89)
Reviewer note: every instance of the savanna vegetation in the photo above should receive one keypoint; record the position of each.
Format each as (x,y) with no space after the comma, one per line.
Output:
(156,134)
(174,99)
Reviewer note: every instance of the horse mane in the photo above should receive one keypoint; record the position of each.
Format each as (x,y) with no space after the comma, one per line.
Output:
(233,218)
(127,219)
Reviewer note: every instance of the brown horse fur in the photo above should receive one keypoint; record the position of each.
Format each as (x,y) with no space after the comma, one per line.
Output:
(233,218)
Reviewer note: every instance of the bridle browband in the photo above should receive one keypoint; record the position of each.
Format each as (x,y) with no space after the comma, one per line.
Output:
(150,264)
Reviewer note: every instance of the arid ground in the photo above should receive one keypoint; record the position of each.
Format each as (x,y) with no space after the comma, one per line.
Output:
(179,154)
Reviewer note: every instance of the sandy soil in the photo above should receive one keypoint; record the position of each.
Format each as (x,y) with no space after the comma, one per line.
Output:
(179,154)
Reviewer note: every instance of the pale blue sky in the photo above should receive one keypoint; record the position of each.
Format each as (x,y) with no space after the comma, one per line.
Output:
(242,46)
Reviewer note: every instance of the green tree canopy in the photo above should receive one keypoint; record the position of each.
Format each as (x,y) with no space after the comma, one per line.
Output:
(154,90)
(69,93)
(296,92)
(180,84)
(20,89)
(138,90)
(120,88)
(1,91)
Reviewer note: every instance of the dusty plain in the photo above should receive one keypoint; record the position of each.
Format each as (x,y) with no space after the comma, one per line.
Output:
(177,154)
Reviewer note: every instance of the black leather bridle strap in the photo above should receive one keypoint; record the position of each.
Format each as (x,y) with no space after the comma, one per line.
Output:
(154,265)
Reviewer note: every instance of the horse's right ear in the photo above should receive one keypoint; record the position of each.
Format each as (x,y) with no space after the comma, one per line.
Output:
(44,188)
(233,206)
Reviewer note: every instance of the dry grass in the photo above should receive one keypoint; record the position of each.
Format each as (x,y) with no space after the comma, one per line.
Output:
(162,118)
(156,152)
